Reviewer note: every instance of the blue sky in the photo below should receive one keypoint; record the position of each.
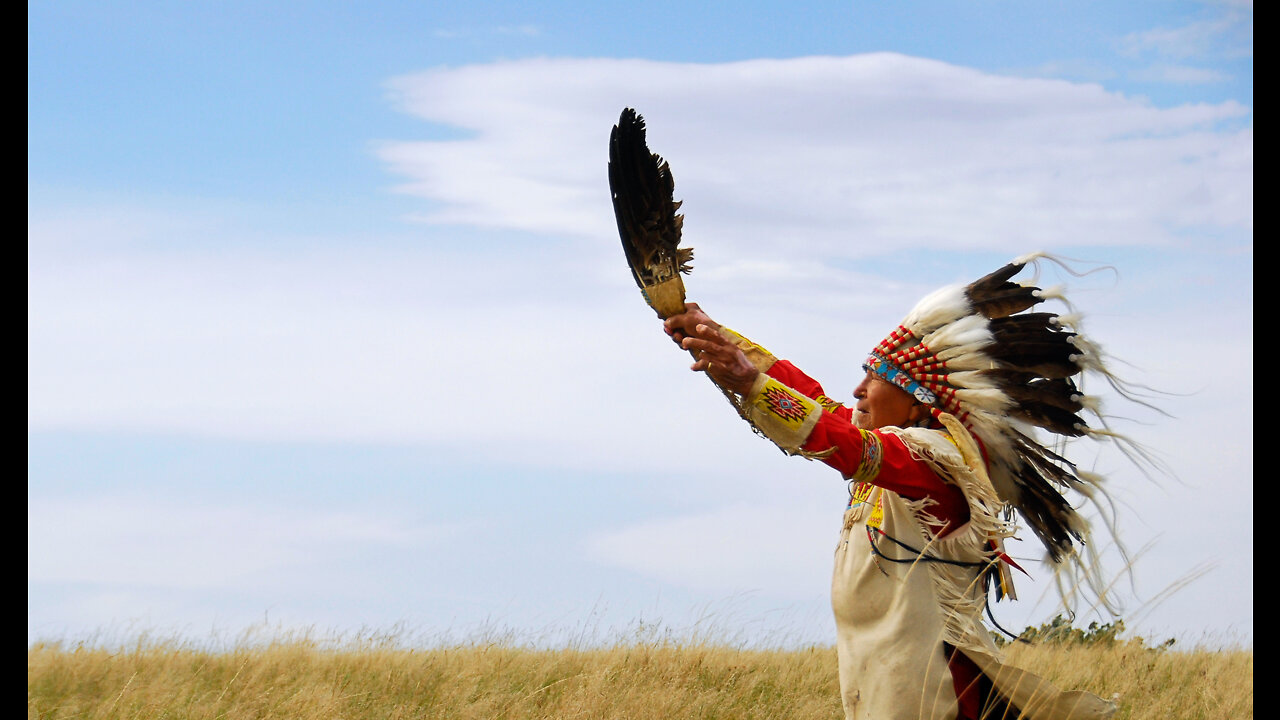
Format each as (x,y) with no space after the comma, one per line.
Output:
(328,326)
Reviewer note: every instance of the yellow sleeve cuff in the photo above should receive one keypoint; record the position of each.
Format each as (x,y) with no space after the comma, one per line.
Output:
(784,416)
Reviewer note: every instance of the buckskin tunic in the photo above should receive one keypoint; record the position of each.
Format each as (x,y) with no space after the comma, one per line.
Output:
(922,527)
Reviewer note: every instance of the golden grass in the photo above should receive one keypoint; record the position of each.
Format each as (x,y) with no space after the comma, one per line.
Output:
(302,678)
(1150,684)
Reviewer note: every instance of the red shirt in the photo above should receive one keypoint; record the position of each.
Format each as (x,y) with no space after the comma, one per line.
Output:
(899,471)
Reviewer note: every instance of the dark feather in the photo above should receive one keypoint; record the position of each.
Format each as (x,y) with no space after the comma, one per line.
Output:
(1003,301)
(1047,360)
(1008,377)
(1042,475)
(1046,513)
(1061,393)
(995,296)
(648,224)
(1026,323)
(994,280)
(1015,339)
(1053,419)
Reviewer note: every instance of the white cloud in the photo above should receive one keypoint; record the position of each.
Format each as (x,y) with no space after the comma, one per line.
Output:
(1179,75)
(738,548)
(525,30)
(789,187)
(1075,69)
(850,156)
(1228,34)
(123,541)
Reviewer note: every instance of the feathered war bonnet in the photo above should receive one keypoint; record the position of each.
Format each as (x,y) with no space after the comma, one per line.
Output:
(978,353)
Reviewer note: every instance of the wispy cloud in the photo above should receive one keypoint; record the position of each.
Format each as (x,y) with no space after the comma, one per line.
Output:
(1076,70)
(905,151)
(135,541)
(1179,75)
(777,562)
(1227,35)
(526,30)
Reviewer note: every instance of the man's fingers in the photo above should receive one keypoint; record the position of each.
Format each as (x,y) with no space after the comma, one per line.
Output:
(707,355)
(707,337)
(703,346)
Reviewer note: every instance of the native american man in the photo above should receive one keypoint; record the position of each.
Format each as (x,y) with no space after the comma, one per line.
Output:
(938,447)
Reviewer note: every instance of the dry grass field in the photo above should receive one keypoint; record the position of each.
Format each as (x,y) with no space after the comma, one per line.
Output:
(374,680)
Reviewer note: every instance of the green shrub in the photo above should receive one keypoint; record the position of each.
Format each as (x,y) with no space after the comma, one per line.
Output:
(1059,631)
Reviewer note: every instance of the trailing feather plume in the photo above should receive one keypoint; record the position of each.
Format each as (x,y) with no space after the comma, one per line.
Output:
(643,205)
(1005,373)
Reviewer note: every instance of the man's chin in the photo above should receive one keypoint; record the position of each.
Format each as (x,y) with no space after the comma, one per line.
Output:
(861,420)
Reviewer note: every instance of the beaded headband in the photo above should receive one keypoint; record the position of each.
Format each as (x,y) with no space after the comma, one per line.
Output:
(890,372)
